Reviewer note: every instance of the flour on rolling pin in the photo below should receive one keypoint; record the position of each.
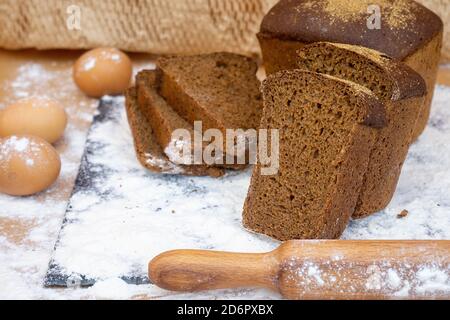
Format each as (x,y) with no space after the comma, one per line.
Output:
(388,277)
(408,269)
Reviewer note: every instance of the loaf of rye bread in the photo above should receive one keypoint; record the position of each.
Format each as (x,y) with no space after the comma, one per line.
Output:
(148,151)
(327,130)
(220,89)
(408,32)
(401,89)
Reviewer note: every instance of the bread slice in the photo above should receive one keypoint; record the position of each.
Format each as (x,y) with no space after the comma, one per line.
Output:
(220,89)
(327,128)
(149,152)
(164,121)
(402,91)
(162,118)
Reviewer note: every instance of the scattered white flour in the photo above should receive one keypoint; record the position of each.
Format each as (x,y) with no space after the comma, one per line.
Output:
(115,57)
(109,99)
(108,55)
(89,64)
(314,272)
(34,80)
(391,278)
(18,144)
(374,278)
(432,279)
(39,101)
(164,165)
(91,61)
(394,280)
(113,288)
(27,75)
(145,66)
(179,151)
(24,147)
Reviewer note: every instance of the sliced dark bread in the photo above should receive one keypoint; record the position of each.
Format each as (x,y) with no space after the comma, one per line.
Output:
(327,129)
(220,89)
(149,152)
(165,121)
(402,91)
(162,118)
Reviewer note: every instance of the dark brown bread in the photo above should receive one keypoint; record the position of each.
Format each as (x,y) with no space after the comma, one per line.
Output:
(409,32)
(164,121)
(161,117)
(406,26)
(402,91)
(148,151)
(220,89)
(327,129)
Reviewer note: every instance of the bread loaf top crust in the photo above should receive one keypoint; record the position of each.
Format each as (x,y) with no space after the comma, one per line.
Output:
(406,83)
(406,26)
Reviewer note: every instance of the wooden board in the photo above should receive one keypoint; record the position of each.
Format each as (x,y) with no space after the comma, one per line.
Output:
(56,275)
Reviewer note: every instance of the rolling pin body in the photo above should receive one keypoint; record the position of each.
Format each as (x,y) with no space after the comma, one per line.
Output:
(316,270)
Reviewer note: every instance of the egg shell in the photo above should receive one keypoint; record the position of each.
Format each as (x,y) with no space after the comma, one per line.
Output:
(28,165)
(103,71)
(39,116)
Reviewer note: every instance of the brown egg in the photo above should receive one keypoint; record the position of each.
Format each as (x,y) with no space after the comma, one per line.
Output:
(42,117)
(28,165)
(103,71)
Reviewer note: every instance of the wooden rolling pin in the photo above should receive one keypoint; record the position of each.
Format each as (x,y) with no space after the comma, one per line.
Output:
(328,269)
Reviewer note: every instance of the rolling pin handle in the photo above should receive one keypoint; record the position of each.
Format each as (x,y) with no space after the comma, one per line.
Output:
(196,270)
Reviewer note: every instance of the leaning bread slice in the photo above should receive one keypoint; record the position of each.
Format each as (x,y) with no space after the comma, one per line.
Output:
(219,89)
(148,151)
(402,91)
(327,128)
(163,119)
(166,123)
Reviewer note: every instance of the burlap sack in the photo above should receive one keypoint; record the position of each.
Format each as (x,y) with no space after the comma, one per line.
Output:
(442,8)
(157,26)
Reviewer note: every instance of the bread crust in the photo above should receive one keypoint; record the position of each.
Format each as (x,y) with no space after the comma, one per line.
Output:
(406,26)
